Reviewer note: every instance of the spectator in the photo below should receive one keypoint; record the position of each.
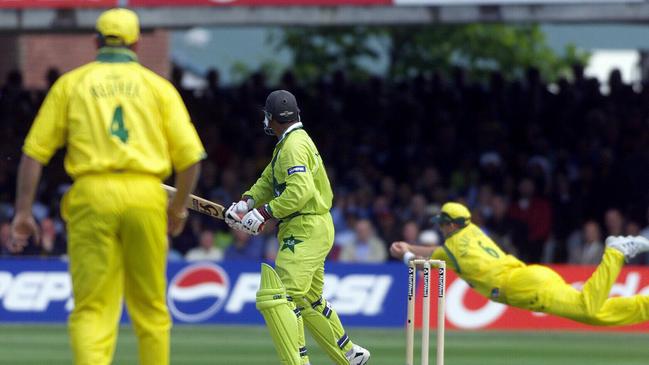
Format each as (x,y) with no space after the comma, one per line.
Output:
(338,213)
(410,232)
(174,255)
(245,247)
(491,168)
(215,100)
(388,227)
(206,251)
(509,233)
(189,236)
(52,242)
(614,222)
(417,211)
(644,259)
(271,245)
(581,151)
(429,237)
(345,236)
(593,247)
(228,188)
(51,76)
(482,207)
(534,211)
(632,228)
(5,235)
(15,102)
(566,214)
(366,247)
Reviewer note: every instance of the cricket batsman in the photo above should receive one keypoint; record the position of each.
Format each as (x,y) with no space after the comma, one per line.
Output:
(294,189)
(505,279)
(125,129)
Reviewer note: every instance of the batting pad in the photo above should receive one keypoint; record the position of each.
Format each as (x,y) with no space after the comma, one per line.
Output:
(325,326)
(279,316)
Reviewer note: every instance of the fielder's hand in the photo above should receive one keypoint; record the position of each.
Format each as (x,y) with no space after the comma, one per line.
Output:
(398,249)
(254,221)
(176,221)
(23,226)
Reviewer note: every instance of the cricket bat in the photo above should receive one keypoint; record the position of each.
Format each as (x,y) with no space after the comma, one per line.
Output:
(198,204)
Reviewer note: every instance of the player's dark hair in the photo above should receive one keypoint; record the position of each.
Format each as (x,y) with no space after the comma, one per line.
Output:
(110,41)
(445,218)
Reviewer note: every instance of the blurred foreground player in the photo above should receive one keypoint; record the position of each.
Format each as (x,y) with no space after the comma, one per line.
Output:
(294,188)
(125,128)
(504,279)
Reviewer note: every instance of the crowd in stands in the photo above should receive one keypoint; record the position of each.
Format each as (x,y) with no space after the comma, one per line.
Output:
(547,170)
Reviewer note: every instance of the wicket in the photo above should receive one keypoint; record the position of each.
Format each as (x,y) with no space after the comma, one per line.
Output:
(410,325)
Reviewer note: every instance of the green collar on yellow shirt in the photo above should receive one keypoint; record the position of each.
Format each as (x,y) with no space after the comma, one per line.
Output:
(116,55)
(450,254)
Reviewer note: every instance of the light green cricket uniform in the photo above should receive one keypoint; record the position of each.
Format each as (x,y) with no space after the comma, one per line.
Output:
(296,188)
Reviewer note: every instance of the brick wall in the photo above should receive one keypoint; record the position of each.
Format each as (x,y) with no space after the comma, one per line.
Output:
(9,55)
(39,52)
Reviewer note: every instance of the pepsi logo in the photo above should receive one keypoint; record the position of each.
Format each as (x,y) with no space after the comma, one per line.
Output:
(198,292)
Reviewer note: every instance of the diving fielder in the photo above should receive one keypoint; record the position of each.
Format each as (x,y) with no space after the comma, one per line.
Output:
(125,128)
(294,188)
(505,279)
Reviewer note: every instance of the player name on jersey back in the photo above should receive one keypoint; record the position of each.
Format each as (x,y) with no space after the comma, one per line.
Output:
(115,87)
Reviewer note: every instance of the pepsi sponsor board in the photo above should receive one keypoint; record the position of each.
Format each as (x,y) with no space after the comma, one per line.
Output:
(34,291)
(207,292)
(363,295)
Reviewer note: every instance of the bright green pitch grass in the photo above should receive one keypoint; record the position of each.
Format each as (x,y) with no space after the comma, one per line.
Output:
(229,345)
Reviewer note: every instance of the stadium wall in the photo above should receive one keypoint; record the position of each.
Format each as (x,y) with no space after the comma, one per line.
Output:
(34,54)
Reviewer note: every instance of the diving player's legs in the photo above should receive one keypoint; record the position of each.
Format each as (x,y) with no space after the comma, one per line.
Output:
(622,310)
(583,306)
(591,305)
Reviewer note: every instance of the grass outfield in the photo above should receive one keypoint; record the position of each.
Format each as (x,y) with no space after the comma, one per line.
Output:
(194,345)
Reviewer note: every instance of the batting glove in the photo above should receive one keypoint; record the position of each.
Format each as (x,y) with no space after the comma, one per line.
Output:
(254,221)
(236,211)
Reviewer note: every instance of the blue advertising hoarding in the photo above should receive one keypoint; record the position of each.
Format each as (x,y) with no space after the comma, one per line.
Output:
(207,292)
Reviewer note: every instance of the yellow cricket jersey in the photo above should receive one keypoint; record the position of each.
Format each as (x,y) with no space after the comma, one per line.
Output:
(477,260)
(115,115)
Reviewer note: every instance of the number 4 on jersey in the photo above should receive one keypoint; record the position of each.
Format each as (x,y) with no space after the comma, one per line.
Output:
(117,127)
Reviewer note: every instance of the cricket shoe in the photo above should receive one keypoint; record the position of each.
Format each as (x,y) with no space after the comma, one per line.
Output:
(358,355)
(630,246)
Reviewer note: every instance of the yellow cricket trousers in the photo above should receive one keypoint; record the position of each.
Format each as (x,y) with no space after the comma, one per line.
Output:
(117,246)
(541,289)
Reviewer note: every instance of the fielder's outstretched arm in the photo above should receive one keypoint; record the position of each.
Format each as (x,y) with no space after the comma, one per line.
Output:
(405,251)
